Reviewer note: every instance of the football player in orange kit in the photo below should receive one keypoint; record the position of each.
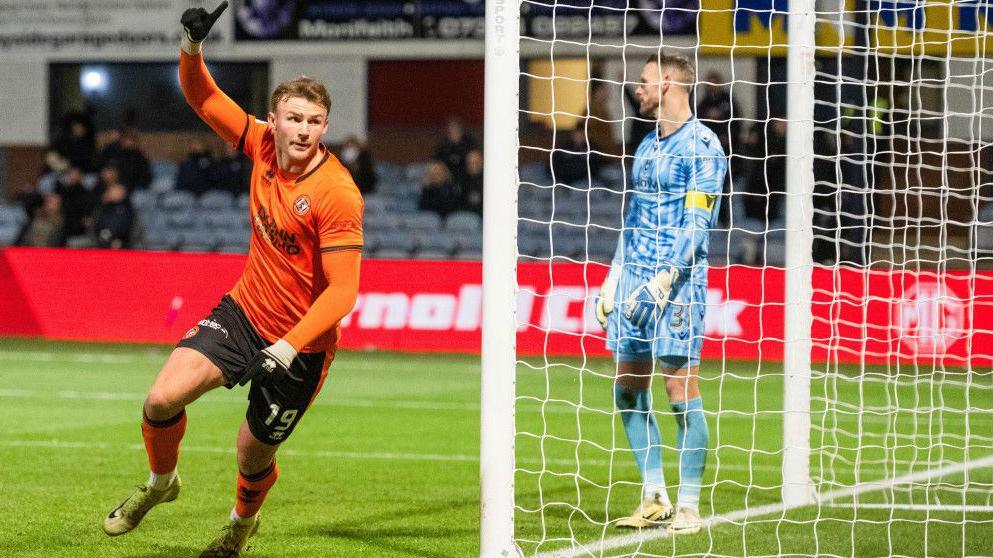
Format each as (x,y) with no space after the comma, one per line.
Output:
(278,327)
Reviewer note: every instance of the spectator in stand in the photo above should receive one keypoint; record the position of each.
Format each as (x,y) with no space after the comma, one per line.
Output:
(113,219)
(715,110)
(77,203)
(454,148)
(572,160)
(194,172)
(45,227)
(125,154)
(55,166)
(597,119)
(473,186)
(439,193)
(77,142)
(358,160)
(775,169)
(231,172)
(753,173)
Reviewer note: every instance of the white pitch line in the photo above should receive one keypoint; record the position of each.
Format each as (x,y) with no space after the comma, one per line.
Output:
(915,507)
(428,405)
(743,515)
(401,456)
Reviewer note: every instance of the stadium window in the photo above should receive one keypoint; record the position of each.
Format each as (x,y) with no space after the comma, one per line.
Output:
(117,93)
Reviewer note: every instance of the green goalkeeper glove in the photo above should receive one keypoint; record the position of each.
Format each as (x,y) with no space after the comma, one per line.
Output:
(196,24)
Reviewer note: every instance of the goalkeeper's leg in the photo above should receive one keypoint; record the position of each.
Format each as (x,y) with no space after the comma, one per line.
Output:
(692,438)
(185,376)
(633,398)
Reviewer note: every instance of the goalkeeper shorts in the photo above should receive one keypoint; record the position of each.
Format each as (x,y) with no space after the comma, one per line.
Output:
(227,339)
(676,338)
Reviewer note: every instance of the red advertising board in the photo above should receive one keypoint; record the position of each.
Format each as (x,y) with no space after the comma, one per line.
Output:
(431,306)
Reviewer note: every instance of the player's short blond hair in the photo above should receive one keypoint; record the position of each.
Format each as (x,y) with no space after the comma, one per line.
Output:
(303,87)
(679,62)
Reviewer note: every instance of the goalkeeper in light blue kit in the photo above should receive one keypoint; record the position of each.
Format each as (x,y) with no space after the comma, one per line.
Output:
(653,301)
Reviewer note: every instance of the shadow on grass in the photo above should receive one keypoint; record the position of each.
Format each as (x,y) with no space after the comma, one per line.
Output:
(381,531)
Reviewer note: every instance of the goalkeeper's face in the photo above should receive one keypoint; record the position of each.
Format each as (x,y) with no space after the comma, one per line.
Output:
(298,125)
(649,91)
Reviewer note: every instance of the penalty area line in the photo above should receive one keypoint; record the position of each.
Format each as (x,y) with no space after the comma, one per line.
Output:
(742,515)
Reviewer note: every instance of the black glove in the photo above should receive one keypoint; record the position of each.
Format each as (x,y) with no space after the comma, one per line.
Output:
(271,364)
(197,22)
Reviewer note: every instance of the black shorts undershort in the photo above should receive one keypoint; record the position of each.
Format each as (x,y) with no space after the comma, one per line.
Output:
(228,340)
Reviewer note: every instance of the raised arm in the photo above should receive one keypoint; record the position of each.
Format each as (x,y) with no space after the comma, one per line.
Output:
(215,108)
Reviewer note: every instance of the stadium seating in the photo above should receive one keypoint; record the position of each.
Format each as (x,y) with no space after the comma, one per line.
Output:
(12,218)
(579,221)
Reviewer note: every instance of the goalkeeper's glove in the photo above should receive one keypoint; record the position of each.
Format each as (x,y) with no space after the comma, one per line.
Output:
(648,301)
(605,300)
(271,364)
(196,25)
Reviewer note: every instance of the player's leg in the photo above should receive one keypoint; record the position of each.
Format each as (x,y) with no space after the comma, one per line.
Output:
(679,349)
(633,398)
(692,434)
(273,413)
(186,375)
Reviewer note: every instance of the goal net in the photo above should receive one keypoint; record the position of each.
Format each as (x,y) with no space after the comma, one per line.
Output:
(847,364)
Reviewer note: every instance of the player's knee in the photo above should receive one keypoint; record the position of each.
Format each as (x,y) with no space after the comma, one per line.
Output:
(677,388)
(160,406)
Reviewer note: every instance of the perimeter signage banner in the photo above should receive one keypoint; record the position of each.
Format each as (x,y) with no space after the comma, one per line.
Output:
(71,26)
(431,306)
(332,20)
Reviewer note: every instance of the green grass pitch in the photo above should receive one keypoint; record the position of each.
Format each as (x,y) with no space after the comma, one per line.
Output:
(386,462)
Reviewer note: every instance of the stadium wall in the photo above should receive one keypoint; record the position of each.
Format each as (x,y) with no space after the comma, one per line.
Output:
(435,306)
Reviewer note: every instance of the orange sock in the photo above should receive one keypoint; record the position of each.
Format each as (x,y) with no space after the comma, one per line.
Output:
(252,490)
(162,441)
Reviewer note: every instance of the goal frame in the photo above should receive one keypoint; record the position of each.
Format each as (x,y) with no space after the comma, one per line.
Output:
(498,350)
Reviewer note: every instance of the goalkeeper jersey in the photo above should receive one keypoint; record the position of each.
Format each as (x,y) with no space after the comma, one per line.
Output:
(674,198)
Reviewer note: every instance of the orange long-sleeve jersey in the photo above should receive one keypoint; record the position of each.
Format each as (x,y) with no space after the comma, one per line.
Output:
(301,276)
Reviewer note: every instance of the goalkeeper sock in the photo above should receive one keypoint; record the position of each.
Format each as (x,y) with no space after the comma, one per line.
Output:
(692,438)
(162,439)
(642,430)
(252,490)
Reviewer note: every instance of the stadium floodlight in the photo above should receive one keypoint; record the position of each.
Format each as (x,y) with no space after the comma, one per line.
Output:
(849,342)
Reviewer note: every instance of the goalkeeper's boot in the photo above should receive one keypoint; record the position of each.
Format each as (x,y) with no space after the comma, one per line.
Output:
(686,522)
(650,513)
(233,539)
(130,512)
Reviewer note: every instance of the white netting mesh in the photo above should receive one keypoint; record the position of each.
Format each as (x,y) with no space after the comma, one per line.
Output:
(901,396)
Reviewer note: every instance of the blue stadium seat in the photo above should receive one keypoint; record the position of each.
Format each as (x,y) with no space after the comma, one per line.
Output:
(435,246)
(244,201)
(464,222)
(163,168)
(144,199)
(198,240)
(230,219)
(12,215)
(215,200)
(8,233)
(422,221)
(163,240)
(177,201)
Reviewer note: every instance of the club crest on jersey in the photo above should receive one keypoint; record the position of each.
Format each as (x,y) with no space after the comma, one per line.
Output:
(302,204)
(193,331)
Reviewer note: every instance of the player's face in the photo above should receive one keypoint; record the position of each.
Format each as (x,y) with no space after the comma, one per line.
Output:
(298,125)
(649,91)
